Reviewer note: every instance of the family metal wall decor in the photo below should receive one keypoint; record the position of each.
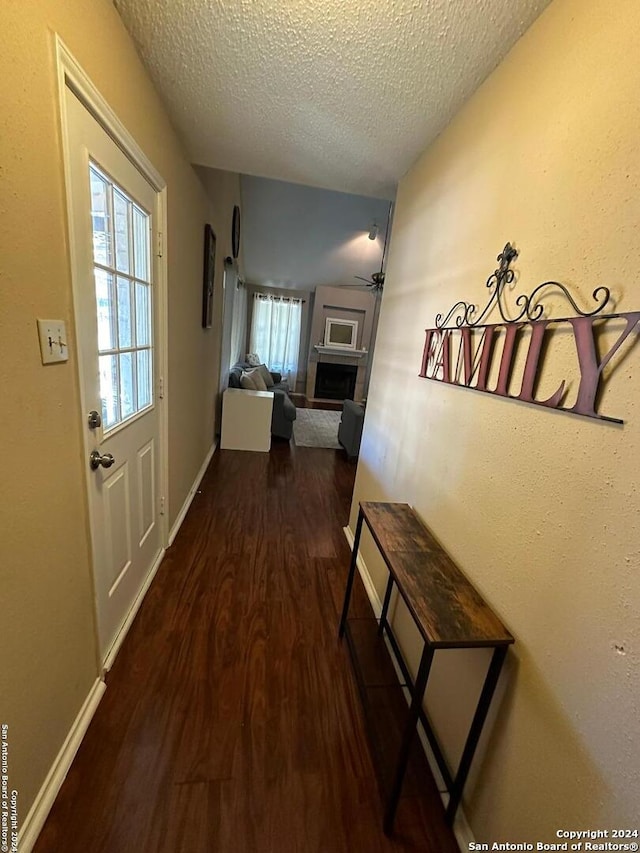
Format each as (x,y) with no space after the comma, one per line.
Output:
(477,351)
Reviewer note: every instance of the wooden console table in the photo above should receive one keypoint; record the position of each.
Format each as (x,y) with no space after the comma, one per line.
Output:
(449,614)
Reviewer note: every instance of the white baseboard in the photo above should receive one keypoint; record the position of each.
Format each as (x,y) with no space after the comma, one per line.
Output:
(462,831)
(34,821)
(461,828)
(177,524)
(365,576)
(131,615)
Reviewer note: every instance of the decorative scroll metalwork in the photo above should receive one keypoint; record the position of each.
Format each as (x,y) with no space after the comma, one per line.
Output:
(530,306)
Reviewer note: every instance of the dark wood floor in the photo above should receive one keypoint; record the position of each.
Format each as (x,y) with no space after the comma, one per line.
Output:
(231,722)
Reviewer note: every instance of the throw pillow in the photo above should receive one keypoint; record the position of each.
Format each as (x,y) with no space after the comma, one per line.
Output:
(255,377)
(253,359)
(247,381)
(263,370)
(258,380)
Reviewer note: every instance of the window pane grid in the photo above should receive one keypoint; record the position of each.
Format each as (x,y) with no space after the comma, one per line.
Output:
(121,350)
(141,247)
(122,226)
(114,271)
(122,268)
(124,312)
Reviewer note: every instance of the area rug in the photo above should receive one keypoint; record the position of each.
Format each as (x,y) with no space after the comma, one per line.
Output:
(316,428)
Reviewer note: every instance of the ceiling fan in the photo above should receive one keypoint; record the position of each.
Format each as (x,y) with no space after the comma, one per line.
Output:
(375,282)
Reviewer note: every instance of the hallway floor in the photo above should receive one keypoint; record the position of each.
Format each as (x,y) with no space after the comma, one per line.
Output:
(231,722)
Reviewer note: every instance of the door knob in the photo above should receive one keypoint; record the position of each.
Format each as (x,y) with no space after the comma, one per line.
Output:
(96,459)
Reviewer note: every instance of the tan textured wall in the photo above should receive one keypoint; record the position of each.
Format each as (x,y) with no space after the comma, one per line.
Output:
(46,625)
(540,509)
(223,189)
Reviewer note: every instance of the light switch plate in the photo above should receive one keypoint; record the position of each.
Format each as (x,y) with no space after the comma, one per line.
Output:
(54,346)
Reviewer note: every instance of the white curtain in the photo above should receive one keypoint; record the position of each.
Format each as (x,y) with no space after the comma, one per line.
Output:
(238,325)
(275,333)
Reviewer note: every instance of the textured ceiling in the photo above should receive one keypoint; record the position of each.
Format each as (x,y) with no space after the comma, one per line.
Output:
(330,93)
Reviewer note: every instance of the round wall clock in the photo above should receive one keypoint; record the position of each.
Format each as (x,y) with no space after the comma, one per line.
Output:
(235,232)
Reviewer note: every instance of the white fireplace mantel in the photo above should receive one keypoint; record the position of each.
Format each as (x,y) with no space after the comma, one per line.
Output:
(349,353)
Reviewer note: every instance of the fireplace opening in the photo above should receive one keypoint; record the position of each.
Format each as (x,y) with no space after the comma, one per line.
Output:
(335,381)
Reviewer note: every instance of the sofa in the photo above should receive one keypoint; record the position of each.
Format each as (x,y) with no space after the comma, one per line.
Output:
(350,429)
(284,411)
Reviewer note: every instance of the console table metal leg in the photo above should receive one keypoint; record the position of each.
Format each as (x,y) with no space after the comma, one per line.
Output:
(385,605)
(352,571)
(473,737)
(407,738)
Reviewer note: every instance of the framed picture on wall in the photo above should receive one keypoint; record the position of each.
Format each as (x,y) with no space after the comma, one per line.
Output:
(209,276)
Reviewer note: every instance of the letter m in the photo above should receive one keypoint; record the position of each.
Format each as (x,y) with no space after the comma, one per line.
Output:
(476,360)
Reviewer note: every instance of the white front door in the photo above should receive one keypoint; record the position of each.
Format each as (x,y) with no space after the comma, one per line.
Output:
(112,220)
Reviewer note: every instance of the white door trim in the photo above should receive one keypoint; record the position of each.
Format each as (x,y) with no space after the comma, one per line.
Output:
(71,75)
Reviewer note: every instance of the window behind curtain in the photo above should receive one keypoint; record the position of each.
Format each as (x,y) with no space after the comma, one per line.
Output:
(275,333)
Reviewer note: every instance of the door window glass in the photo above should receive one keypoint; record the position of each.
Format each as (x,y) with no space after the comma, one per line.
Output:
(124,299)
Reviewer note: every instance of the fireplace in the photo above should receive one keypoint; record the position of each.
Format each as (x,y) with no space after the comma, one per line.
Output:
(335,381)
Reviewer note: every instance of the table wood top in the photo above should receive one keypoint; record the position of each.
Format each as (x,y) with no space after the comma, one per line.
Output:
(446,607)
